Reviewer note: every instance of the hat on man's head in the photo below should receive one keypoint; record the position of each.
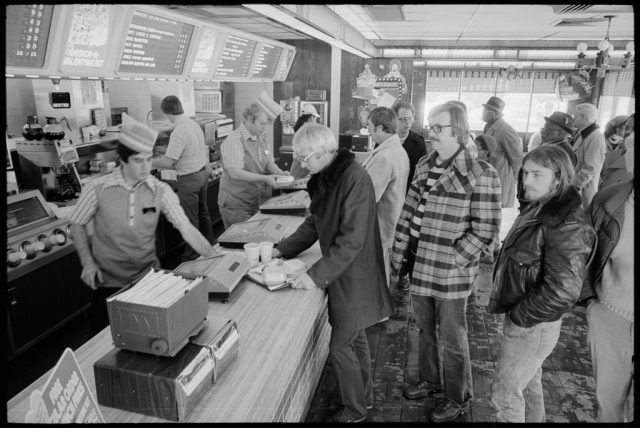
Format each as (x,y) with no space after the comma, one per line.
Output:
(495,104)
(137,136)
(563,120)
(271,108)
(309,109)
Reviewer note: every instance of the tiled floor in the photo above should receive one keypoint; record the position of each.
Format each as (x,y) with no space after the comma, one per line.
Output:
(569,391)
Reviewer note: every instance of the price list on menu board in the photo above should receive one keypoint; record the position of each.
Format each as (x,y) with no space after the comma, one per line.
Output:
(27,33)
(267,61)
(88,39)
(236,57)
(155,44)
(204,53)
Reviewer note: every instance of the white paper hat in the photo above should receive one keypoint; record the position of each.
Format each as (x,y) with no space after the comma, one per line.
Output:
(270,107)
(137,136)
(309,109)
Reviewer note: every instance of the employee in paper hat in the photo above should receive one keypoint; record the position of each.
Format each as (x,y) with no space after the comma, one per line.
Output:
(249,170)
(125,207)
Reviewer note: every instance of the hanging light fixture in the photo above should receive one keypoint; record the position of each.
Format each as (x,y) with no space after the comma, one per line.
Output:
(606,48)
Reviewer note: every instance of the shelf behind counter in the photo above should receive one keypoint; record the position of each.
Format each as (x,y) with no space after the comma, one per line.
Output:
(283,346)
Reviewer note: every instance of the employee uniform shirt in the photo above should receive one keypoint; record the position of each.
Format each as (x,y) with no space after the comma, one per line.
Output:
(125,220)
(242,150)
(187,147)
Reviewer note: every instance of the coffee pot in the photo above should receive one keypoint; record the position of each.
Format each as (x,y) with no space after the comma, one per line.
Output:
(32,130)
(53,129)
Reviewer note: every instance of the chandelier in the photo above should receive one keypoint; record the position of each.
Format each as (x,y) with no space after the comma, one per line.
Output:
(605,49)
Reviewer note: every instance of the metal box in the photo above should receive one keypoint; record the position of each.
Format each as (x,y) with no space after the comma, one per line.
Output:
(158,330)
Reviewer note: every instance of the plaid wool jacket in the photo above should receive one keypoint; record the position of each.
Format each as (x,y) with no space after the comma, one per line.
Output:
(461,220)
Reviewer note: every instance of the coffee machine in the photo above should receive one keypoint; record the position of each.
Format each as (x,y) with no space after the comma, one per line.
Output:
(49,165)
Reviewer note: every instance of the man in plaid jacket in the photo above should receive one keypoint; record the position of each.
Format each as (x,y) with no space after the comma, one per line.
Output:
(450,216)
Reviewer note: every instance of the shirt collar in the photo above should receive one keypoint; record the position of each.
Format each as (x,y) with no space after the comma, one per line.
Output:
(117,179)
(246,135)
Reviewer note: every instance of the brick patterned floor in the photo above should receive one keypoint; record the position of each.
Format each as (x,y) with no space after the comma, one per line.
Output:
(569,390)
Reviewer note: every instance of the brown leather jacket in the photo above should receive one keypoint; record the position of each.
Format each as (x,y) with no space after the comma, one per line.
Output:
(543,261)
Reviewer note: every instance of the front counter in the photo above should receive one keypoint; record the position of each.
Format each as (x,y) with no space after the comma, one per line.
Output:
(283,345)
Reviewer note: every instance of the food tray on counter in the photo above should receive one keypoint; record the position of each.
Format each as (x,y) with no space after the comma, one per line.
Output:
(290,268)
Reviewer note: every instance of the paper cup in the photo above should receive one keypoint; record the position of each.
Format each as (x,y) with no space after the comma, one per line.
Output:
(266,250)
(252,254)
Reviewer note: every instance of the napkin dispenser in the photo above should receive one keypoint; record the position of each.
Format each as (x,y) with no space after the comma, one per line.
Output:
(220,336)
(162,331)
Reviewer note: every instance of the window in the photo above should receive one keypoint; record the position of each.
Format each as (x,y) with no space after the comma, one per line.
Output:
(528,98)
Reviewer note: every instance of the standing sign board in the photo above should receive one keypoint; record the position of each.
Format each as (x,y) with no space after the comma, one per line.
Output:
(65,397)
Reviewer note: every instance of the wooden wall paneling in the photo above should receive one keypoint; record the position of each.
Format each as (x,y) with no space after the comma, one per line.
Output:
(351,66)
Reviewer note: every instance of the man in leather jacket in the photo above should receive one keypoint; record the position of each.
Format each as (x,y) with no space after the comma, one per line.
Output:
(608,292)
(538,277)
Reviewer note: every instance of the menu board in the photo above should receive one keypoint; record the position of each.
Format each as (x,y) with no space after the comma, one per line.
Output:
(155,44)
(27,34)
(204,54)
(88,40)
(236,57)
(283,70)
(267,61)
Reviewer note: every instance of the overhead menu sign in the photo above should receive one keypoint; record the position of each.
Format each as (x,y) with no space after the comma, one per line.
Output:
(27,34)
(155,44)
(204,54)
(88,40)
(267,61)
(236,57)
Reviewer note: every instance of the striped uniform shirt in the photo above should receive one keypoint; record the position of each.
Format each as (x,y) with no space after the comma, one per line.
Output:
(85,208)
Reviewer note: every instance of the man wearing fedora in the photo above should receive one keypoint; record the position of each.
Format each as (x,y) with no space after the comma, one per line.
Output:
(507,158)
(249,170)
(556,130)
(124,207)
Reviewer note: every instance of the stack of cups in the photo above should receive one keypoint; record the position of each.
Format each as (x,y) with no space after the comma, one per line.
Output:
(255,253)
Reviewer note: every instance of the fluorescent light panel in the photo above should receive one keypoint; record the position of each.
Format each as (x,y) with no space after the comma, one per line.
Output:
(285,18)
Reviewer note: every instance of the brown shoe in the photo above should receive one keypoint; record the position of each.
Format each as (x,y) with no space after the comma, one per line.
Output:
(421,390)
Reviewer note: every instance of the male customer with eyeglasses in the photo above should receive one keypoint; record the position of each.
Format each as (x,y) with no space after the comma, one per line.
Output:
(388,167)
(451,215)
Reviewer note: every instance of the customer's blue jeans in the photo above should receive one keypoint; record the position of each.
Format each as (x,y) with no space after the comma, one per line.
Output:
(516,392)
(449,318)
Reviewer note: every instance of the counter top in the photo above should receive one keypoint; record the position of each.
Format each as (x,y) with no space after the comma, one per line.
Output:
(283,346)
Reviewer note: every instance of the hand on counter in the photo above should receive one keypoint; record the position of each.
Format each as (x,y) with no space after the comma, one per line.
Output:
(303,281)
(89,274)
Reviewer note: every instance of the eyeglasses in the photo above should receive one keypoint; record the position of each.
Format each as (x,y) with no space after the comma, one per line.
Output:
(406,119)
(437,128)
(305,159)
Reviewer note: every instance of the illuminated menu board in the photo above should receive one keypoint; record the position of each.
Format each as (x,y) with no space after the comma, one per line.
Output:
(236,57)
(204,54)
(284,67)
(27,33)
(155,44)
(88,40)
(267,61)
